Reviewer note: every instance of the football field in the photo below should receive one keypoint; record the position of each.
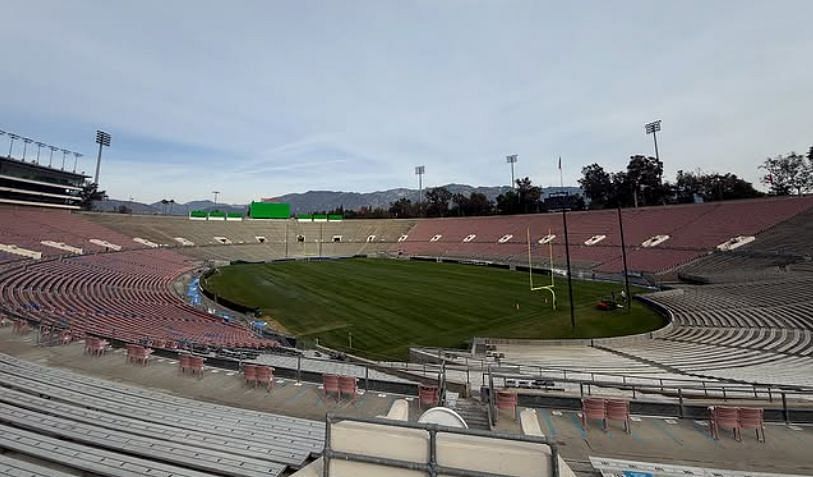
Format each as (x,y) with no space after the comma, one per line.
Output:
(385,306)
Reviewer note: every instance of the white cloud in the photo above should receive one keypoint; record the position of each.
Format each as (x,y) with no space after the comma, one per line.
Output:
(263,98)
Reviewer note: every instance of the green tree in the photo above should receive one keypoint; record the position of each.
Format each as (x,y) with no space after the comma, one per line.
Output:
(437,201)
(402,208)
(475,204)
(508,203)
(597,185)
(712,187)
(90,194)
(792,173)
(645,177)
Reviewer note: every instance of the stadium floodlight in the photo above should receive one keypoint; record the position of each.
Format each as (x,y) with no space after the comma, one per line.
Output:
(26,142)
(76,157)
(512,159)
(40,145)
(216,193)
(419,171)
(102,139)
(653,128)
(11,138)
(51,159)
(64,153)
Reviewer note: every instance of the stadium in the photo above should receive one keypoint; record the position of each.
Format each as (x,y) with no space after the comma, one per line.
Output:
(387,238)
(407,313)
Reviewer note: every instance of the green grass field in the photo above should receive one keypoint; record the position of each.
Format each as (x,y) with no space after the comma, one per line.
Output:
(390,305)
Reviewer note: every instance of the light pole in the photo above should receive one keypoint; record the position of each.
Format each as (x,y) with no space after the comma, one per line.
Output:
(512,159)
(51,159)
(624,259)
(102,139)
(2,133)
(565,203)
(216,193)
(76,157)
(653,128)
(11,138)
(26,142)
(64,153)
(40,145)
(419,171)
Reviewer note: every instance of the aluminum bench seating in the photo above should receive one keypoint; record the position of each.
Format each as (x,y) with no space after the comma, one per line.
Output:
(20,468)
(292,434)
(185,412)
(87,459)
(176,453)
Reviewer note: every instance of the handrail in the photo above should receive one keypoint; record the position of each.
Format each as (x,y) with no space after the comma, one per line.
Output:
(431,468)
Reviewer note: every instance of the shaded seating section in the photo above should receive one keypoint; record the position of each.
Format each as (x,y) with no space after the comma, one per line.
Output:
(98,427)
(125,295)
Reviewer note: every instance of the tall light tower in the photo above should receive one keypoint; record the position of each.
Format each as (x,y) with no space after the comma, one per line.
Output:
(76,157)
(419,171)
(26,142)
(65,152)
(2,133)
(102,139)
(40,145)
(512,159)
(653,128)
(216,193)
(51,159)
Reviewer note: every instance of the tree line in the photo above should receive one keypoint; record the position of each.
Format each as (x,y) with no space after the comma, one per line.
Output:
(523,198)
(641,183)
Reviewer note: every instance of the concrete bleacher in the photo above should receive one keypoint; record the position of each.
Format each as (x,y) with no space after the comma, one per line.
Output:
(134,431)
(125,296)
(693,231)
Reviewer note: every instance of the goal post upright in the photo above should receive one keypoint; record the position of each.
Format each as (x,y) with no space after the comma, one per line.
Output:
(551,287)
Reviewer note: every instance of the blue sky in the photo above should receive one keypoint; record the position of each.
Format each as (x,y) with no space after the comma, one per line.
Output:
(262,98)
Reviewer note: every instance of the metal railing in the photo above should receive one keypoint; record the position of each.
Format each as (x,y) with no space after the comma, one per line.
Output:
(431,468)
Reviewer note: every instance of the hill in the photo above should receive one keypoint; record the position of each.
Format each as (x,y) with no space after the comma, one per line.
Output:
(315,200)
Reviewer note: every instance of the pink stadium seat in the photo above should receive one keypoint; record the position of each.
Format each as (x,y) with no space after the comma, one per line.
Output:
(348,385)
(725,418)
(250,374)
(427,395)
(265,376)
(752,418)
(619,410)
(507,400)
(594,408)
(331,385)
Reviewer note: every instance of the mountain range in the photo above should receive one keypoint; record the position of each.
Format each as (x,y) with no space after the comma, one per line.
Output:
(313,201)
